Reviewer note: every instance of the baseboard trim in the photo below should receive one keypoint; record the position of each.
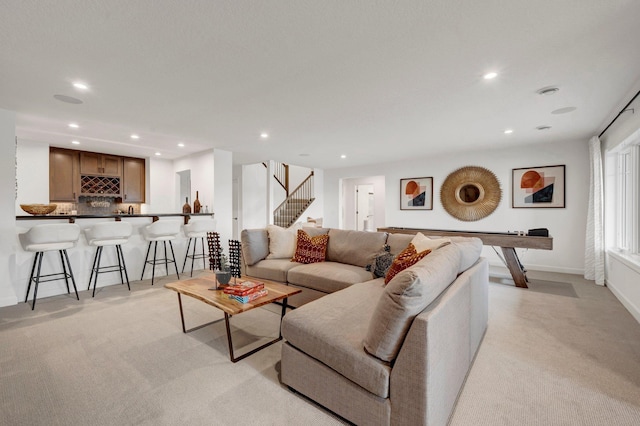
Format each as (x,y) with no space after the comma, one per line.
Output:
(8,301)
(544,268)
(633,309)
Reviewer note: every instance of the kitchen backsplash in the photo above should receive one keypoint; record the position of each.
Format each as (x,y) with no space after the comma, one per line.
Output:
(95,206)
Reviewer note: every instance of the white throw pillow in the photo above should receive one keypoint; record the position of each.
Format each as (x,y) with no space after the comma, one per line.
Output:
(422,243)
(282,241)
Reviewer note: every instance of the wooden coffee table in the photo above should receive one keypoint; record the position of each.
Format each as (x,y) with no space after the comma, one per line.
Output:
(204,289)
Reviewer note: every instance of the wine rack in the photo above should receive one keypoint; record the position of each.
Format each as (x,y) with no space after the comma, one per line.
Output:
(100,185)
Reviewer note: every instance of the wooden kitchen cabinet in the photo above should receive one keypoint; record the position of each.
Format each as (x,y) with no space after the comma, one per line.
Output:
(64,176)
(133,185)
(95,164)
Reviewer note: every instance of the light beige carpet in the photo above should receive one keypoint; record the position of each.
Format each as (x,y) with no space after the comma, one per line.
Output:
(562,352)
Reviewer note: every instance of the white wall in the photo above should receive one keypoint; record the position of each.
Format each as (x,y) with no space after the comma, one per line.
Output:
(161,198)
(201,166)
(32,173)
(566,226)
(254,196)
(7,209)
(223,195)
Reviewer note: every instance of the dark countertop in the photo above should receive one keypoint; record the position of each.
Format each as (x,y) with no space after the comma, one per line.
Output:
(72,218)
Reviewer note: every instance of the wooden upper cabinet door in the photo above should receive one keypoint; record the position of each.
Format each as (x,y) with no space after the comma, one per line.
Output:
(111,165)
(133,188)
(95,164)
(64,178)
(90,163)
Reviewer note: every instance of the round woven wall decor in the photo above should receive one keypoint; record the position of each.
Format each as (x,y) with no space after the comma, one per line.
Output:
(470,193)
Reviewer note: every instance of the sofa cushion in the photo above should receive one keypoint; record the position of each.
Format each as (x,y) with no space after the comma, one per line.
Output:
(255,245)
(406,258)
(310,249)
(271,269)
(405,296)
(470,248)
(331,330)
(327,276)
(354,247)
(422,243)
(282,242)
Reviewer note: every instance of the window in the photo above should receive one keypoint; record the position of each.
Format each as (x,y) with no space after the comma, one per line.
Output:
(626,205)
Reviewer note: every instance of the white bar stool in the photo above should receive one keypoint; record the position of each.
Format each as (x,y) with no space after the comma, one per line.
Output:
(193,230)
(108,234)
(161,230)
(43,238)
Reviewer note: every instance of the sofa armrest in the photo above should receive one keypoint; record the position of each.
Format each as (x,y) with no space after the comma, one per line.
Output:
(435,357)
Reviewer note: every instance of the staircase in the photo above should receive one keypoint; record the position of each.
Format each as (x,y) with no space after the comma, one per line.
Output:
(297,201)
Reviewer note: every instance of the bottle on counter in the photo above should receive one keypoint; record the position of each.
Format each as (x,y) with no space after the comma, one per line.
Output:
(186,209)
(196,204)
(206,209)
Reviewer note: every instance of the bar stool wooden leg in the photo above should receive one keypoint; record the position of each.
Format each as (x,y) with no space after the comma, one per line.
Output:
(124,267)
(73,280)
(153,267)
(97,270)
(33,268)
(64,271)
(119,264)
(174,260)
(146,258)
(193,255)
(35,289)
(187,255)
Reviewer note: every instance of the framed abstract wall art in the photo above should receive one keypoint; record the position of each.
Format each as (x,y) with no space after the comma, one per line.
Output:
(538,187)
(416,193)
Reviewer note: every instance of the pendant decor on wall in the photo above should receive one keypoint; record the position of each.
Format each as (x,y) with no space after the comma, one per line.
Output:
(470,193)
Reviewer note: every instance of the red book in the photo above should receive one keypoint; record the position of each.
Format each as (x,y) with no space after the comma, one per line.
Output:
(244,288)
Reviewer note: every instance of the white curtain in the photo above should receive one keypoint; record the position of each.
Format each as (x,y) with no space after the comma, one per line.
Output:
(594,242)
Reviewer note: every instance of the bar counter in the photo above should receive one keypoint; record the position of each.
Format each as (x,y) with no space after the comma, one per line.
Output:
(81,256)
(72,218)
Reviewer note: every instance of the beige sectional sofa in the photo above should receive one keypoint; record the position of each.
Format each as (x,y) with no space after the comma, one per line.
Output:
(375,353)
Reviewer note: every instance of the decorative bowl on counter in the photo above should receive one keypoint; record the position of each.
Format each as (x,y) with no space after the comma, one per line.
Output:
(38,209)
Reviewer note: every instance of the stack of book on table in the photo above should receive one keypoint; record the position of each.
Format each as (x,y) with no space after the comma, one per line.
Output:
(245,291)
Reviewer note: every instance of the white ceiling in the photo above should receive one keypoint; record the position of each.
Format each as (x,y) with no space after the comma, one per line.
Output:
(374,80)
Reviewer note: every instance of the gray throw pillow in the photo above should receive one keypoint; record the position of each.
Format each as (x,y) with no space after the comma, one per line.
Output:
(381,263)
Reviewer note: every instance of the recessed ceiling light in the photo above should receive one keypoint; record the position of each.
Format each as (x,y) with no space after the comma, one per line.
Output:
(80,85)
(157,153)
(73,125)
(563,110)
(490,75)
(304,155)
(343,156)
(264,135)
(508,131)
(67,99)
(134,136)
(548,90)
(75,142)
(543,127)
(181,145)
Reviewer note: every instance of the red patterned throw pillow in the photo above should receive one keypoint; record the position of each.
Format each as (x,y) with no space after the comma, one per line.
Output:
(406,258)
(310,249)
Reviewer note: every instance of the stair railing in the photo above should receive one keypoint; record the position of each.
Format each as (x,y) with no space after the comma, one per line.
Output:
(295,204)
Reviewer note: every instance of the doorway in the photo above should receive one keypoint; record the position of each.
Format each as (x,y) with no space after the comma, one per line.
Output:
(365,208)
